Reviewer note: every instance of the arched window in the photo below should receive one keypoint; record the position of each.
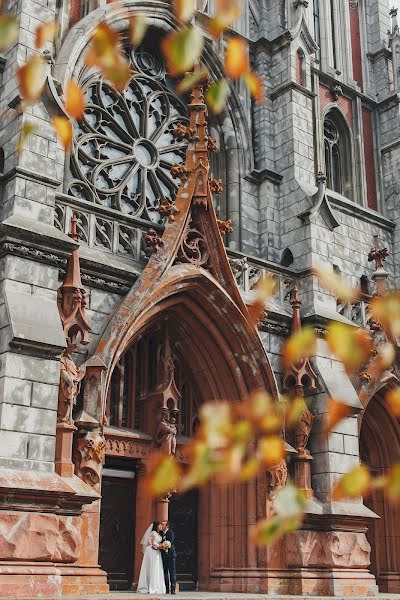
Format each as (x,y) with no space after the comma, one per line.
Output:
(337,154)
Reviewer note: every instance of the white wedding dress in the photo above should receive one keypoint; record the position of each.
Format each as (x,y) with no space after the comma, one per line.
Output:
(151,578)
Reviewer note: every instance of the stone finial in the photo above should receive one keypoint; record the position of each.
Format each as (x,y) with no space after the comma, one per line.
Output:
(380,275)
(71,297)
(225,227)
(336,91)
(394,28)
(321,180)
(301,375)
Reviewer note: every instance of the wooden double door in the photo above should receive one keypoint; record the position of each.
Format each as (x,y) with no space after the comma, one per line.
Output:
(117,529)
(183,515)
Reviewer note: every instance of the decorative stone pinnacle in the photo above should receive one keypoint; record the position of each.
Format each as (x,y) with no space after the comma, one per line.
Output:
(153,241)
(301,375)
(71,297)
(321,179)
(225,227)
(379,255)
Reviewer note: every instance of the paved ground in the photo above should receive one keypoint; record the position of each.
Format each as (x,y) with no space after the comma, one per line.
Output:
(217,596)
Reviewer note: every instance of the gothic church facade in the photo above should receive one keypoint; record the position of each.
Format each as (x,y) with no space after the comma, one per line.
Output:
(123,295)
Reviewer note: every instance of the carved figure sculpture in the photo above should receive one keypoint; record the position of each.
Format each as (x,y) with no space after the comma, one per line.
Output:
(276,477)
(303,430)
(166,435)
(70,382)
(89,454)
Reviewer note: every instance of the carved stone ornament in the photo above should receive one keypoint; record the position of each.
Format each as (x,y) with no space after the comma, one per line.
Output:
(303,430)
(225,227)
(276,477)
(153,241)
(179,172)
(216,186)
(89,450)
(183,132)
(70,382)
(168,210)
(377,254)
(336,91)
(193,248)
(71,297)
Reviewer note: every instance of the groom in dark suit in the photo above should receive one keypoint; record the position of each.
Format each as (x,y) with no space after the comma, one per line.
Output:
(169,558)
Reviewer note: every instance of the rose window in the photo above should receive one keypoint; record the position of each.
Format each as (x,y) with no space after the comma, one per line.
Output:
(124,148)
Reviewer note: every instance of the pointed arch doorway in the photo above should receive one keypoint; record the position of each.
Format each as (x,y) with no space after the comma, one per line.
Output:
(379,449)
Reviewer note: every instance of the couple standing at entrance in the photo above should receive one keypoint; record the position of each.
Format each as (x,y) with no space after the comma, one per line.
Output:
(158,571)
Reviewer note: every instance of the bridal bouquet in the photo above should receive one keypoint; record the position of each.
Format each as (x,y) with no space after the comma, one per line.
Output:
(166,546)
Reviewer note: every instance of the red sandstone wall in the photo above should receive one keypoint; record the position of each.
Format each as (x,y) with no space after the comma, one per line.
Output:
(75,12)
(355,43)
(369,159)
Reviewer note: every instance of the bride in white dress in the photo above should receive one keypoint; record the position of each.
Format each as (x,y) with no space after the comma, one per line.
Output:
(151,578)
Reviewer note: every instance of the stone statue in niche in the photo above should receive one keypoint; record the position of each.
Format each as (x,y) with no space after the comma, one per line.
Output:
(166,433)
(70,383)
(303,430)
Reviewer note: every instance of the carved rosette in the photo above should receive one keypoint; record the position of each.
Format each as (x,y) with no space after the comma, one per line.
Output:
(193,248)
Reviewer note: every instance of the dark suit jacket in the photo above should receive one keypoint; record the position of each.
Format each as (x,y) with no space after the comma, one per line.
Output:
(169,536)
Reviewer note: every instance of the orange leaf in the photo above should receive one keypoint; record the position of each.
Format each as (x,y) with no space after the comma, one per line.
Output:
(74,100)
(31,77)
(182,49)
(249,469)
(8,30)
(190,80)
(351,345)
(386,310)
(299,346)
(63,129)
(265,290)
(392,399)
(336,412)
(217,95)
(227,11)
(335,284)
(137,29)
(392,484)
(271,450)
(255,86)
(45,33)
(184,9)
(353,484)
(163,475)
(237,57)
(105,53)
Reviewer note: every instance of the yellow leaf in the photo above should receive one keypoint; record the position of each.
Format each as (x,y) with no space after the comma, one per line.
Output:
(255,86)
(392,399)
(271,450)
(226,13)
(182,49)
(105,52)
(353,484)
(392,485)
(163,475)
(63,129)
(31,77)
(216,423)
(265,289)
(258,405)
(249,469)
(74,100)
(237,57)
(293,411)
(184,9)
(217,95)
(190,80)
(299,346)
(386,310)
(45,33)
(27,130)
(336,412)
(8,30)
(289,502)
(335,284)
(351,345)
(203,465)
(137,29)
(119,76)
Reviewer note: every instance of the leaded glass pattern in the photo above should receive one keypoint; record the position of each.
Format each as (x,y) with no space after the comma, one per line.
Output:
(123,148)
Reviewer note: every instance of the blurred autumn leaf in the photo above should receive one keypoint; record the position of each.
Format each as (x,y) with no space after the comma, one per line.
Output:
(184,9)
(190,80)
(45,33)
(386,311)
(336,412)
(27,130)
(163,475)
(352,345)
(182,49)
(217,95)
(74,100)
(265,289)
(236,57)
(289,505)
(137,29)
(105,53)
(9,30)
(63,128)
(31,78)
(226,13)
(299,346)
(255,86)
(353,484)
(392,399)
(335,284)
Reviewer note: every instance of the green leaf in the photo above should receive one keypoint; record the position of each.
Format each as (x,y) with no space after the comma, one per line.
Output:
(217,95)
(8,30)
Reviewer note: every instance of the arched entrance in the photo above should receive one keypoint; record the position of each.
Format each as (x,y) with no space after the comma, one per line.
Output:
(379,449)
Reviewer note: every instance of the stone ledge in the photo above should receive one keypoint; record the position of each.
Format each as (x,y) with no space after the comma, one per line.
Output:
(207,596)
